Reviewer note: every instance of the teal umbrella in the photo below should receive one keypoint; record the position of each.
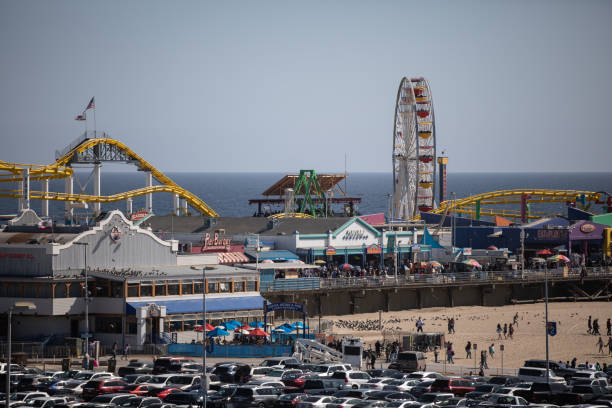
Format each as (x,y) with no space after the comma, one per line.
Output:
(217,332)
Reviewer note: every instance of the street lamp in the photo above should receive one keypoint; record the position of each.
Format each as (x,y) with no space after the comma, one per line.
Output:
(85,244)
(17,307)
(203,382)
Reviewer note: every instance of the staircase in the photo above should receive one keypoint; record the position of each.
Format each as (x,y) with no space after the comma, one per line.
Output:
(313,351)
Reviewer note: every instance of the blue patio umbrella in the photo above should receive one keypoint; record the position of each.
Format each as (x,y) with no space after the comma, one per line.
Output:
(217,332)
(235,323)
(285,329)
(256,324)
(300,325)
(230,325)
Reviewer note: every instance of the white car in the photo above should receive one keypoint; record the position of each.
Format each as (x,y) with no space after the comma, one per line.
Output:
(376,383)
(401,385)
(503,399)
(45,402)
(25,396)
(508,390)
(278,375)
(589,374)
(326,370)
(533,374)
(351,379)
(258,372)
(424,375)
(315,401)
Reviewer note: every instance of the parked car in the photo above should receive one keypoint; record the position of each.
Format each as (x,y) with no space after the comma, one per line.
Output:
(538,375)
(314,401)
(233,373)
(351,379)
(580,394)
(541,392)
(184,398)
(409,361)
(457,386)
(503,399)
(320,386)
(103,386)
(279,362)
(135,367)
(290,400)
(248,396)
(164,365)
(108,399)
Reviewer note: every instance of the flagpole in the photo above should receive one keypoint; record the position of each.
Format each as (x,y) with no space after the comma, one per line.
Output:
(94,108)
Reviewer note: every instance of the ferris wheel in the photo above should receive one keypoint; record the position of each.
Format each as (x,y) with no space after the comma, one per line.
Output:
(414,150)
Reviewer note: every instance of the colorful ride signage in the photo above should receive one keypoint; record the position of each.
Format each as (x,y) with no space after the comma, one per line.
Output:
(373,249)
(330,251)
(216,243)
(271,307)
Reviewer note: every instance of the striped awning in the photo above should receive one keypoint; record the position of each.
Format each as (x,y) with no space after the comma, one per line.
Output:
(232,257)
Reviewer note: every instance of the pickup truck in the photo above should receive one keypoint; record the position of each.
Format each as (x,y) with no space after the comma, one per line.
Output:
(580,394)
(542,392)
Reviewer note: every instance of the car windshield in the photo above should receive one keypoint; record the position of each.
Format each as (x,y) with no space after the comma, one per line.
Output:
(157,380)
(180,380)
(275,373)
(311,399)
(131,402)
(268,363)
(83,376)
(225,392)
(319,369)
(35,403)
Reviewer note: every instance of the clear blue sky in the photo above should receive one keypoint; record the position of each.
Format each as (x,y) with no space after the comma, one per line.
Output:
(280,86)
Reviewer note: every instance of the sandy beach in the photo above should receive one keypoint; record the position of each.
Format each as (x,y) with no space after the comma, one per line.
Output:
(478,324)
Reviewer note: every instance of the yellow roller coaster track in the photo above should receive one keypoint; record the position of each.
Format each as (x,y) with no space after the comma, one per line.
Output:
(290,215)
(468,205)
(61,169)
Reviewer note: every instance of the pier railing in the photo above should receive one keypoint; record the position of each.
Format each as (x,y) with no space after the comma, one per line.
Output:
(442,279)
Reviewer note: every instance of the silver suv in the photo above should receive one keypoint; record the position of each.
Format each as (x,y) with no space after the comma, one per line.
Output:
(254,396)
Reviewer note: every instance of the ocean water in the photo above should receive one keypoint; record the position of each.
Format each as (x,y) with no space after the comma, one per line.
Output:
(228,193)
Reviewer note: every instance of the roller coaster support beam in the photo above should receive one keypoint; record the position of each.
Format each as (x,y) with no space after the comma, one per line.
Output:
(24,202)
(68,206)
(45,203)
(128,206)
(96,180)
(149,176)
(524,208)
(175,204)
(184,206)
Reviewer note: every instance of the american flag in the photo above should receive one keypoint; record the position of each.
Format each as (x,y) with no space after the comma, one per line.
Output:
(80,117)
(91,104)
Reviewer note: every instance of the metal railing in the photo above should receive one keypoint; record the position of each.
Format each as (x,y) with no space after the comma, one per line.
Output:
(442,279)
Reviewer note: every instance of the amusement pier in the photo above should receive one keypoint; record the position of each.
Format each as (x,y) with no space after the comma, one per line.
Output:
(135,277)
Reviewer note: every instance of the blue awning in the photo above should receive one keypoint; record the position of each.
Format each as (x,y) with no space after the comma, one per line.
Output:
(277,255)
(225,304)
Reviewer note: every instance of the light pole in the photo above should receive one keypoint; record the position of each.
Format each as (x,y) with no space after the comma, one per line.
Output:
(501,347)
(546,318)
(522,253)
(203,382)
(85,244)
(17,307)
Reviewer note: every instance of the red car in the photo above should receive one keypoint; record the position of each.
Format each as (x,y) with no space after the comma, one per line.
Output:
(139,389)
(458,386)
(102,386)
(164,392)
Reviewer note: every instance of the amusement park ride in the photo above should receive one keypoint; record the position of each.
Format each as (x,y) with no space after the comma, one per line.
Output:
(414,170)
(305,195)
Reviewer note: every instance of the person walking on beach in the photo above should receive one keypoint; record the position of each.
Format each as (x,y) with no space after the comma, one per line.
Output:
(589,326)
(115,347)
(436,354)
(609,345)
(499,331)
(505,330)
(510,331)
(419,325)
(515,320)
(600,343)
(126,352)
(596,327)
(450,354)
(492,350)
(451,326)
(468,349)
(608,327)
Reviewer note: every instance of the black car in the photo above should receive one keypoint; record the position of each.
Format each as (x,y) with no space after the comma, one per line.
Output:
(221,397)
(288,400)
(135,367)
(185,398)
(233,373)
(383,372)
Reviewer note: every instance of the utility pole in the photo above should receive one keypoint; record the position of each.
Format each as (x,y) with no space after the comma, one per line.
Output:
(85,244)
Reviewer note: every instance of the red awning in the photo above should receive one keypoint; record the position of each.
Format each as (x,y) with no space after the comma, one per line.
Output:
(232,257)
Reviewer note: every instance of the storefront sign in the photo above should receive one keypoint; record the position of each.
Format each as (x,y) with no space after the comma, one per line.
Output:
(551,234)
(587,228)
(355,235)
(330,251)
(16,256)
(216,243)
(373,249)
(139,215)
(284,306)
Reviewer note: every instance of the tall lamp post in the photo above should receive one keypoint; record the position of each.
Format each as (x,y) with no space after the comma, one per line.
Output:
(546,318)
(85,244)
(203,380)
(17,307)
